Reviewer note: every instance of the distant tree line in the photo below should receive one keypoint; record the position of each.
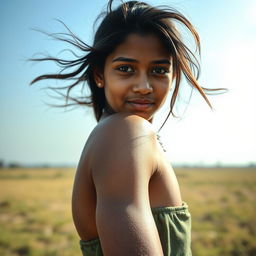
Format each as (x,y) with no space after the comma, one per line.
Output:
(196,165)
(10,165)
(14,164)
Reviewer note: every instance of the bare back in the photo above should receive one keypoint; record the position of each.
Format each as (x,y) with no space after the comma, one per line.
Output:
(162,188)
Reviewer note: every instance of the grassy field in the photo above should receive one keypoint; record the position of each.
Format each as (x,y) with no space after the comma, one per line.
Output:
(35,215)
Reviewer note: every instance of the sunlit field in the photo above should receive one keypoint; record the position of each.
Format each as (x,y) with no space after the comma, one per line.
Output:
(35,214)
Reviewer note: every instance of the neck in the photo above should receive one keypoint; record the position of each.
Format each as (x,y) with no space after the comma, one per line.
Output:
(107,111)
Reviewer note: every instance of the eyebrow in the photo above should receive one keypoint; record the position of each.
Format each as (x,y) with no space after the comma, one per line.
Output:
(124,59)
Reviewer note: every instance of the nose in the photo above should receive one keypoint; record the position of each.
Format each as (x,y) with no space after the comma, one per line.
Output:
(142,85)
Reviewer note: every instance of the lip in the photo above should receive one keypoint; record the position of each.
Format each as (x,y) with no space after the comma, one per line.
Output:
(140,104)
(140,101)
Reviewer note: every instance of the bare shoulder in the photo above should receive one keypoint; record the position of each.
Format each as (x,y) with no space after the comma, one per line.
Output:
(121,129)
(123,142)
(127,121)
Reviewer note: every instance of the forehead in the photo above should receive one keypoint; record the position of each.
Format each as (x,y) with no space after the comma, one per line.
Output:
(138,46)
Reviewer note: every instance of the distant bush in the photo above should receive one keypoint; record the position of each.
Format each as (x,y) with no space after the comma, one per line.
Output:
(1,164)
(14,165)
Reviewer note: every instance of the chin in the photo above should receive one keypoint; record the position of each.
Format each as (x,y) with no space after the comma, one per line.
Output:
(144,115)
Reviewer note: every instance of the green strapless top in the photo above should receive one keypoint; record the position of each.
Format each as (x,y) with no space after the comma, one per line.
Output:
(174,228)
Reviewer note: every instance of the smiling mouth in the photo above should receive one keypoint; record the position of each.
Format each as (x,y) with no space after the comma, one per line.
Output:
(140,104)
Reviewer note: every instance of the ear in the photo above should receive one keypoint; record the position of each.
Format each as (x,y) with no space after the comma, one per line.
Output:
(98,77)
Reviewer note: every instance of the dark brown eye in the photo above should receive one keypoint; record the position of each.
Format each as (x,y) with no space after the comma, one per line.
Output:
(124,68)
(160,70)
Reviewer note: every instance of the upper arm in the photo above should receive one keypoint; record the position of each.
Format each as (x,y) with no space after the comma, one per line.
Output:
(122,166)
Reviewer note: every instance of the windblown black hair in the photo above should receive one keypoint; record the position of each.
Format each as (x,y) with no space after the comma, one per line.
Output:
(116,25)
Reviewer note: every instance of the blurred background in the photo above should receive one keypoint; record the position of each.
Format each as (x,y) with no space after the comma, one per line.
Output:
(212,151)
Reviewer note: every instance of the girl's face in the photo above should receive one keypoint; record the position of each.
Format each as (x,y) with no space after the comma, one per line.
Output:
(137,76)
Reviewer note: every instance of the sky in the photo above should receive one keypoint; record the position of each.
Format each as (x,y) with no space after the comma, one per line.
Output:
(33,133)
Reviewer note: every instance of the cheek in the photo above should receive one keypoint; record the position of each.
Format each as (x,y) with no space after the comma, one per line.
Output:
(113,91)
(114,94)
(162,93)
(163,89)
(115,87)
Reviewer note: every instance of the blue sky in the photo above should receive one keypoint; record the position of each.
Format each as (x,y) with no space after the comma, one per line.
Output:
(31,132)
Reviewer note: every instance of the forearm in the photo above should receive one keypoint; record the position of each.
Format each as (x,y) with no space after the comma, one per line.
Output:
(127,231)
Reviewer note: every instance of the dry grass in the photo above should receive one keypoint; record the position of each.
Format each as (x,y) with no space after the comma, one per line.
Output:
(35,215)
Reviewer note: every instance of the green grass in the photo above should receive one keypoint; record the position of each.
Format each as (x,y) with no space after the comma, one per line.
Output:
(35,214)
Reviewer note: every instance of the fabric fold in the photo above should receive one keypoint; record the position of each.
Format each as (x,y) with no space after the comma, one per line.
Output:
(174,229)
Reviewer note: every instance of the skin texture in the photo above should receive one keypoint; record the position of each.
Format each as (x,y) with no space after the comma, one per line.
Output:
(123,172)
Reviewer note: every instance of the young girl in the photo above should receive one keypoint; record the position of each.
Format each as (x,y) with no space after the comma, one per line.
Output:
(126,198)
